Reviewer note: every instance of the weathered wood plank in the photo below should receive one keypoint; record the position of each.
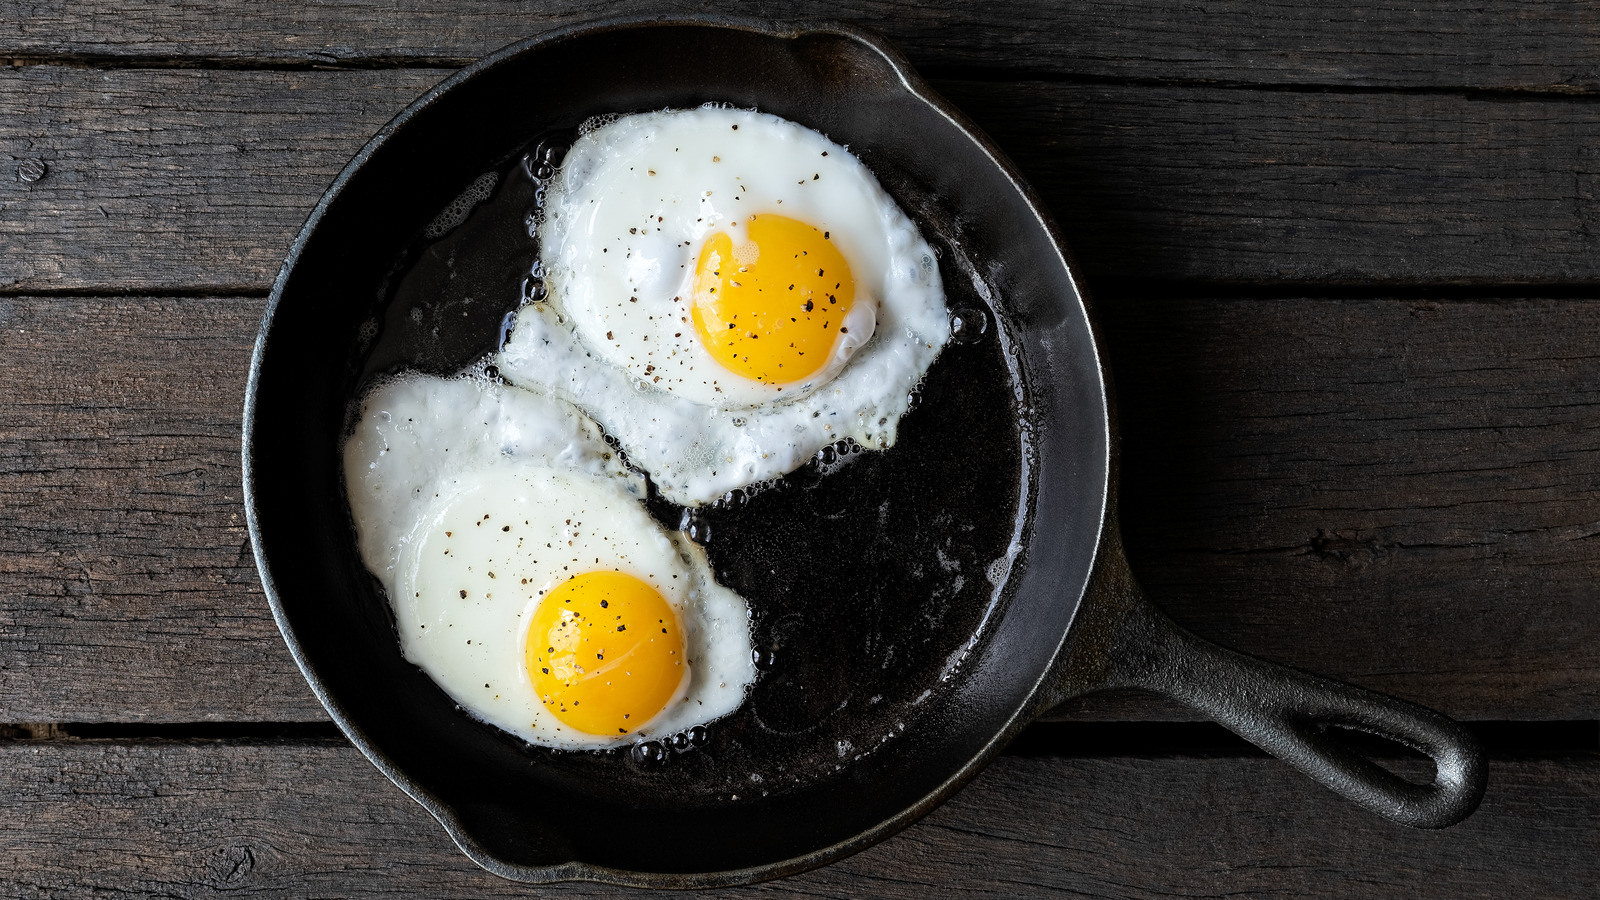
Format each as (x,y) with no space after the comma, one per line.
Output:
(126,569)
(175,180)
(197,820)
(164,180)
(1287,463)
(1385,491)
(1303,188)
(1508,44)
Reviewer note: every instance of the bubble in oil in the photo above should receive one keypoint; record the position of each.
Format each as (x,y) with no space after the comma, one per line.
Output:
(534,289)
(552,149)
(967,325)
(830,458)
(367,333)
(446,221)
(595,123)
(508,324)
(540,163)
(694,527)
(999,569)
(648,755)
(738,498)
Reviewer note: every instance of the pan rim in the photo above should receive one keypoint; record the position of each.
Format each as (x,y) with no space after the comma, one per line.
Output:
(576,870)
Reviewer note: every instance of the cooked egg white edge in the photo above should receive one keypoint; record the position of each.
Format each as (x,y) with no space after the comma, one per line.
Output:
(694,453)
(419,445)
(697,451)
(559,525)
(415,434)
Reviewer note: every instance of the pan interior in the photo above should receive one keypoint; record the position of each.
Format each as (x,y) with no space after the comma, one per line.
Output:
(868,586)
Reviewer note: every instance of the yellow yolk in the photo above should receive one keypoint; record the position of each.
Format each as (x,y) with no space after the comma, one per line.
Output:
(772,307)
(605,653)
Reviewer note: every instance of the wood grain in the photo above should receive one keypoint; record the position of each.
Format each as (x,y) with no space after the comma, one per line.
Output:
(1306,468)
(199,820)
(162,180)
(1393,492)
(175,180)
(1507,44)
(130,589)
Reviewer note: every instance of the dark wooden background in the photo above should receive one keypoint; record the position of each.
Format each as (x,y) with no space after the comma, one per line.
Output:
(1347,259)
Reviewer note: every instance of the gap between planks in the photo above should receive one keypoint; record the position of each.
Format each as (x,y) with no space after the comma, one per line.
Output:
(218,820)
(1501,44)
(1500,740)
(934,72)
(1111,288)
(161,180)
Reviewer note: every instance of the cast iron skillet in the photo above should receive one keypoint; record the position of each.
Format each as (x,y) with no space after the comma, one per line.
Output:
(888,687)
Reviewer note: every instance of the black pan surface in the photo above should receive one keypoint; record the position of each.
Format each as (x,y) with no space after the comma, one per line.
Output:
(911,606)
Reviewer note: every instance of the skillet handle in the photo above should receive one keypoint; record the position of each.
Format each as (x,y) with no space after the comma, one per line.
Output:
(1293,715)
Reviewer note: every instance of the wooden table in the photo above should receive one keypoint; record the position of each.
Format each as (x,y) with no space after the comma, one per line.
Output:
(1347,261)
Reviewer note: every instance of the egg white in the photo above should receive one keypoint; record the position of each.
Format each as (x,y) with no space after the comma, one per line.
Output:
(417,437)
(459,487)
(624,223)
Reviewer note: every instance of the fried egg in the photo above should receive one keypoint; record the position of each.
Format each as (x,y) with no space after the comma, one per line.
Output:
(525,575)
(728,292)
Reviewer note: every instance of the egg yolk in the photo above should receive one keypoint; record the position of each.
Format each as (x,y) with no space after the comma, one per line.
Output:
(605,652)
(772,307)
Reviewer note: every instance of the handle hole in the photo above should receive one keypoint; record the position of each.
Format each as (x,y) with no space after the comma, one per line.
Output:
(1397,758)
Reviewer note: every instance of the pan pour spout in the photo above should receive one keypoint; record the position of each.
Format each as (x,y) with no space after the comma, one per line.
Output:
(1125,642)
